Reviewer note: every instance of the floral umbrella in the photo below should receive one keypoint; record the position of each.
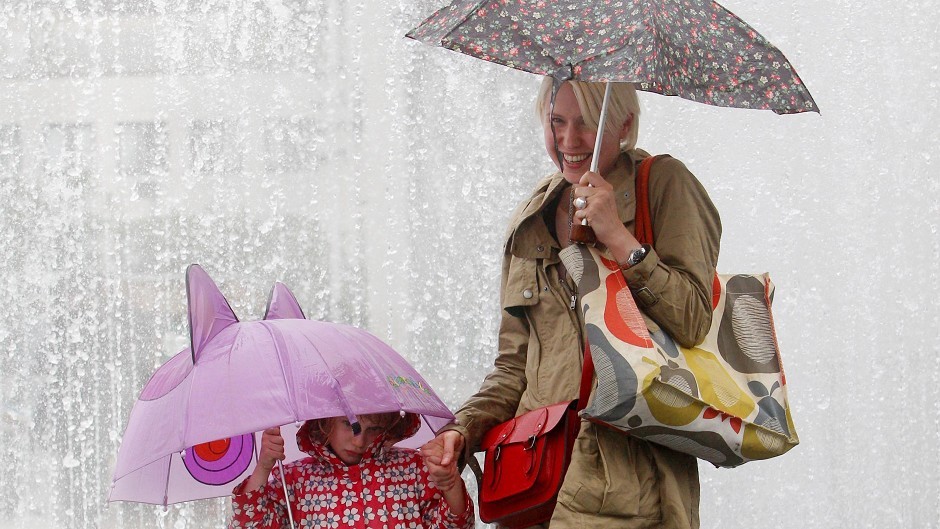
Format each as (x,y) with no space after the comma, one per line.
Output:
(694,49)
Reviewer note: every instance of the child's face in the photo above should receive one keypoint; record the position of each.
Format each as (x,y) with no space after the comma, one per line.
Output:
(348,447)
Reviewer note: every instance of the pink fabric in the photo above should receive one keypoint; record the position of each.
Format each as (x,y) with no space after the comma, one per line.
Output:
(387,489)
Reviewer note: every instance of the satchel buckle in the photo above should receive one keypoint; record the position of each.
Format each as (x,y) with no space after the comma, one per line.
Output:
(531,444)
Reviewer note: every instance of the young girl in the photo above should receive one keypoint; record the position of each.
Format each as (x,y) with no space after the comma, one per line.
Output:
(353,480)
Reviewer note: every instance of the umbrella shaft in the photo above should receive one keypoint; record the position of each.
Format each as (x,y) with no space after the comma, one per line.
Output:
(600,129)
(290,516)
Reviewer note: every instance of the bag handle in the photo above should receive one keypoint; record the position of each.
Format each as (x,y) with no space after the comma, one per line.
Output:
(642,222)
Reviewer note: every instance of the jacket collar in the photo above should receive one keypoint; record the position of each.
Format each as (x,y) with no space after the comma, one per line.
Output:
(529,236)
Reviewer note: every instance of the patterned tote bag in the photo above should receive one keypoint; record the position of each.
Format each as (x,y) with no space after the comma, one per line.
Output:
(724,400)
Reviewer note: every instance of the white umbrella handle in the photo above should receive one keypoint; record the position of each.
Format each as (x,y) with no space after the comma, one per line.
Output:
(600,129)
(600,136)
(583,233)
(290,516)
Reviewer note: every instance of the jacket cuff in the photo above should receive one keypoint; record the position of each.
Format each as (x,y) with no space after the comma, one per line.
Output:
(638,279)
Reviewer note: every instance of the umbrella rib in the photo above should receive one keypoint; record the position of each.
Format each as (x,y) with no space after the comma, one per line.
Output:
(280,363)
(375,369)
(337,387)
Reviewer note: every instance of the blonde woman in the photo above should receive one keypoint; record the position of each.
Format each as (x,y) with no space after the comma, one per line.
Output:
(613,480)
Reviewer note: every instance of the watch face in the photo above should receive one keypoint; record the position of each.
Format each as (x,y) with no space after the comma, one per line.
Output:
(636,256)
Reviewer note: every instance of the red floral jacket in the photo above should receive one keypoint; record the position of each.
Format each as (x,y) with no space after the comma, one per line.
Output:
(388,489)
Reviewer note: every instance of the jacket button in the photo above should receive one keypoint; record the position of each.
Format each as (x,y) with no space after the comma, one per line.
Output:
(527,294)
(540,248)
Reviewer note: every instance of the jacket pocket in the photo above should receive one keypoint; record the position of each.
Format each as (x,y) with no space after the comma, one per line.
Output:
(612,475)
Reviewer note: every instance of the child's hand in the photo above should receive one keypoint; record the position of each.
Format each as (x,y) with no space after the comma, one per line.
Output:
(272,451)
(444,477)
(272,448)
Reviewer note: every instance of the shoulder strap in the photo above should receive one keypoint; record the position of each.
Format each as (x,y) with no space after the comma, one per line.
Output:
(642,223)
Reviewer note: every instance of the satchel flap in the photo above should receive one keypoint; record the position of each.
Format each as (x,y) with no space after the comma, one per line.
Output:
(524,427)
(497,434)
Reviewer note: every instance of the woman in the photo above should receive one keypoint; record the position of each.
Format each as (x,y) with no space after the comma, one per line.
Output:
(613,480)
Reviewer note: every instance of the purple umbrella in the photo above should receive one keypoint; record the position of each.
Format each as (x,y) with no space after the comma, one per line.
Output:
(191,434)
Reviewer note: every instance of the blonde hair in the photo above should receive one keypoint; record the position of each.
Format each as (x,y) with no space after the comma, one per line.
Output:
(622,104)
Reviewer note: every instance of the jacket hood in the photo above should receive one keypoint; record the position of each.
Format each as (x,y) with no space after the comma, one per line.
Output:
(311,441)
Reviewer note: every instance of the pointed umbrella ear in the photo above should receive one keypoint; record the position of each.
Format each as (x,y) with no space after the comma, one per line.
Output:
(209,311)
(282,305)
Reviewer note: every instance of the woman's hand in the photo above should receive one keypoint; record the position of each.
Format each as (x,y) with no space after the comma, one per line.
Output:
(601,214)
(446,446)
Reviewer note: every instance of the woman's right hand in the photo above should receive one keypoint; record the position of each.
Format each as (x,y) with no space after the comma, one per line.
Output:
(449,444)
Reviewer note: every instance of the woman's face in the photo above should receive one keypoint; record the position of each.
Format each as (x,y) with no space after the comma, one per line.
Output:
(348,447)
(576,140)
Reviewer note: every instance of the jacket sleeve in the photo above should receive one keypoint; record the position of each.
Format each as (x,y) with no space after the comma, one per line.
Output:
(673,284)
(258,509)
(499,395)
(435,511)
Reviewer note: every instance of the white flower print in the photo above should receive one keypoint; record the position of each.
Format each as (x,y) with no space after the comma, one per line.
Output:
(307,502)
(399,511)
(329,501)
(366,495)
(347,497)
(351,516)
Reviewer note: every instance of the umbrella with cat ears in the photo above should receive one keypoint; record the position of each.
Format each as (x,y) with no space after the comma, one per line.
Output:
(192,432)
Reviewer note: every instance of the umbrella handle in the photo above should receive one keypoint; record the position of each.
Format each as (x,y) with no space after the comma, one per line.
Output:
(582,233)
(290,515)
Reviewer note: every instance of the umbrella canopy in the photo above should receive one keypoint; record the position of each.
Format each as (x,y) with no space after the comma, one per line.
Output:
(191,434)
(694,49)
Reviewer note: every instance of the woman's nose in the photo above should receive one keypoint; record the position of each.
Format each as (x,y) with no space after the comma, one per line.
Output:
(565,137)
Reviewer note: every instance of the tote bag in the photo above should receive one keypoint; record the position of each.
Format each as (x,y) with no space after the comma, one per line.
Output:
(723,400)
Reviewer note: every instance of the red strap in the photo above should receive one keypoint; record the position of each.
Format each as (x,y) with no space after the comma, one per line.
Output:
(643,224)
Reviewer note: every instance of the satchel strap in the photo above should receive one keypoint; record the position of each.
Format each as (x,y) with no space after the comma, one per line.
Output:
(642,222)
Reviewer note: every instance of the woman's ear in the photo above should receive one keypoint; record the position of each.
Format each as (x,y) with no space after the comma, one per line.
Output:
(625,129)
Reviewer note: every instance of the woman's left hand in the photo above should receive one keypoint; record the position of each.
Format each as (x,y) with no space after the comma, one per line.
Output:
(601,213)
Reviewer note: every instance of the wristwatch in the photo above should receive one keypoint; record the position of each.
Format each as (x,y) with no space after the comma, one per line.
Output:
(636,256)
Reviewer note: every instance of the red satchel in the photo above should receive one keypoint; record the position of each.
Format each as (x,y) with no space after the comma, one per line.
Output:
(527,458)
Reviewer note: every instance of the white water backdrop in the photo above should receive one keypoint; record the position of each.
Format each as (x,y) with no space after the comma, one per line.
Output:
(309,142)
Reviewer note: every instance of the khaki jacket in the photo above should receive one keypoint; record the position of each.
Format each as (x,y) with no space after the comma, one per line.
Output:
(613,480)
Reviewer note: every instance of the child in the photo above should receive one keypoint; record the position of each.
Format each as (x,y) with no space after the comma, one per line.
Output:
(353,480)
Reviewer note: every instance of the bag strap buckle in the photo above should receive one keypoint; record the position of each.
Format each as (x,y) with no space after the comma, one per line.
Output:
(530,442)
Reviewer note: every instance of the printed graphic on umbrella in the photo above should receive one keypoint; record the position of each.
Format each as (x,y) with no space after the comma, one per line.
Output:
(191,434)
